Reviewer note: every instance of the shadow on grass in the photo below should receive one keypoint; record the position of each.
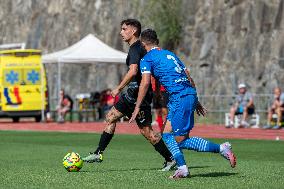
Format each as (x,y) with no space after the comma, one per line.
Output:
(136,169)
(198,167)
(214,174)
(121,170)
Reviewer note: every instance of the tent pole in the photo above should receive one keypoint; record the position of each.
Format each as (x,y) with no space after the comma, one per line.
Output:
(58,81)
(43,100)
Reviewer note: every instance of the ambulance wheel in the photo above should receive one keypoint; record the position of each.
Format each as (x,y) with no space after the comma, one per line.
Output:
(16,119)
(38,118)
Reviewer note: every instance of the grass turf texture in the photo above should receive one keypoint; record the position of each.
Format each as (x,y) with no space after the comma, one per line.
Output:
(34,160)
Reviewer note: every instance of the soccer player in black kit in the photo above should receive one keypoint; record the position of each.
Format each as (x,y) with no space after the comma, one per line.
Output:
(130,32)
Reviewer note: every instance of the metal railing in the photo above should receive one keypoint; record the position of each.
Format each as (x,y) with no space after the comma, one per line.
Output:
(217,106)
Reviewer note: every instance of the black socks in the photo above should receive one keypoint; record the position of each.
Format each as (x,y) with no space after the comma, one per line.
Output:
(159,147)
(104,141)
(163,150)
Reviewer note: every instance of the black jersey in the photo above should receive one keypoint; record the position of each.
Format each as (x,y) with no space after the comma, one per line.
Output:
(135,54)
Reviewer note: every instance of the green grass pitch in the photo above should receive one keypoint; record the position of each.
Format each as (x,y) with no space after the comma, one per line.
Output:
(34,160)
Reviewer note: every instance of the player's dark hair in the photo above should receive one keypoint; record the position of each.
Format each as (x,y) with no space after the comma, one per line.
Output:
(150,36)
(133,22)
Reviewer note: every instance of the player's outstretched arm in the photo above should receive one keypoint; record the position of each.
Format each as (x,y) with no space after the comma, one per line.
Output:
(190,78)
(200,110)
(143,88)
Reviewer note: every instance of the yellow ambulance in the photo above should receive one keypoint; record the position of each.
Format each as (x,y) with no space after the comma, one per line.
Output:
(23,85)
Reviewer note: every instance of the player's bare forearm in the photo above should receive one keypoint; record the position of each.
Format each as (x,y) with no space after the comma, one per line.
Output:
(133,69)
(190,78)
(143,88)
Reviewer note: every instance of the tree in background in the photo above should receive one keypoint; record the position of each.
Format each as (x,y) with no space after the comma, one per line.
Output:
(165,17)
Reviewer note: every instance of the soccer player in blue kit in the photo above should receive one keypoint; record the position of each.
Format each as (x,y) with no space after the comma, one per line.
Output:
(166,67)
(130,32)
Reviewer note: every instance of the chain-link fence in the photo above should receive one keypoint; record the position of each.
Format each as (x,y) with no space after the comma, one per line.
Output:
(218,105)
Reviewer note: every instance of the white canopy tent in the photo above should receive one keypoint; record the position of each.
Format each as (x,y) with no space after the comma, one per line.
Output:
(89,50)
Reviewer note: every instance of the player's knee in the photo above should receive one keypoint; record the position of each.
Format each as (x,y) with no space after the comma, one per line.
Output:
(180,138)
(153,140)
(113,115)
(110,128)
(152,136)
(110,118)
(156,138)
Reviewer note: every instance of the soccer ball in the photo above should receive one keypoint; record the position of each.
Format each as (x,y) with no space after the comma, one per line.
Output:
(72,162)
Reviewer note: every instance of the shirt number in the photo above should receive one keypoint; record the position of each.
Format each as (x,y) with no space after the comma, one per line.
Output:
(177,68)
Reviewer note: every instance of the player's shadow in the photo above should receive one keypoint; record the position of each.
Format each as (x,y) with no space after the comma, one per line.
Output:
(213,174)
(140,169)
(198,167)
(130,169)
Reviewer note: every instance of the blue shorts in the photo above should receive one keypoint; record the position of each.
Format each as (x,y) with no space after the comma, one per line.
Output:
(181,113)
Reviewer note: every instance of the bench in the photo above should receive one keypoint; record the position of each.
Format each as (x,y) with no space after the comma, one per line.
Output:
(253,120)
(85,115)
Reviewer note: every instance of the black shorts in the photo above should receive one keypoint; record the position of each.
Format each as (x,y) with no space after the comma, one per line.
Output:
(144,118)
(160,101)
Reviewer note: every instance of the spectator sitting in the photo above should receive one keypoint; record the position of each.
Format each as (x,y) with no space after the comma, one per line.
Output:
(108,101)
(65,105)
(277,107)
(95,103)
(244,105)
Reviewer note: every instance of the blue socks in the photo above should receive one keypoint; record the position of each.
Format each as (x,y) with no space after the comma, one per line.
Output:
(199,145)
(174,148)
(193,143)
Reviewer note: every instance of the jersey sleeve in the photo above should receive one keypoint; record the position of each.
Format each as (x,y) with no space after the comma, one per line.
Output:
(134,56)
(145,66)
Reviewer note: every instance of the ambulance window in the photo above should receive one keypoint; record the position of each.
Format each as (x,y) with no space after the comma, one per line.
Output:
(32,76)
(11,77)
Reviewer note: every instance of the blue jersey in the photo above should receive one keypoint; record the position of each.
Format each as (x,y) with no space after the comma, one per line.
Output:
(166,67)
